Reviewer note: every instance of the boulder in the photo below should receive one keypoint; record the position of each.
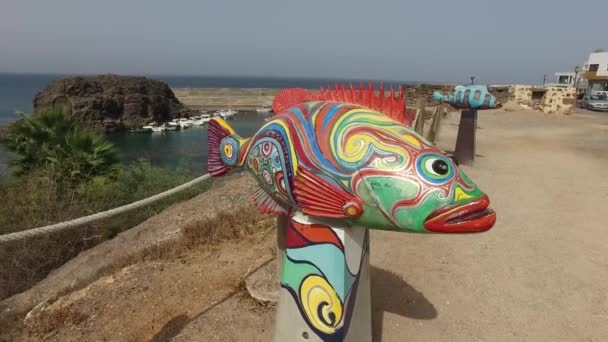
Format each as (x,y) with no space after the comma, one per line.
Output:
(111,102)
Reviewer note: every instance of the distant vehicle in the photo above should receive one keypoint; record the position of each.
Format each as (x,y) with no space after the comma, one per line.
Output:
(595,102)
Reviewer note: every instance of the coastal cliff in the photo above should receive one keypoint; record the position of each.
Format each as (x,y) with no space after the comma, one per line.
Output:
(110,102)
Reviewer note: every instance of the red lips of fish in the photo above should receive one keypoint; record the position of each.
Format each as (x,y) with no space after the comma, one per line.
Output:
(472,217)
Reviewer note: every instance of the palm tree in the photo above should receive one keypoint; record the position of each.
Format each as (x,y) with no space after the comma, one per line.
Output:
(51,139)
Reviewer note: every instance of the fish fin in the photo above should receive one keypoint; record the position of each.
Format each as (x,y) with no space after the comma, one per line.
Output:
(393,106)
(437,96)
(318,197)
(266,204)
(224,148)
(290,97)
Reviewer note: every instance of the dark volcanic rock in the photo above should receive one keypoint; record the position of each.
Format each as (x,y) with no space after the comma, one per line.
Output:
(111,102)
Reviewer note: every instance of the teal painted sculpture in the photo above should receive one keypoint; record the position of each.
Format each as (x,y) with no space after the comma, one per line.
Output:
(469,97)
(336,163)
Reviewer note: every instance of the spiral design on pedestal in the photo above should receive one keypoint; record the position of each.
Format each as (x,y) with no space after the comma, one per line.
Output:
(321,304)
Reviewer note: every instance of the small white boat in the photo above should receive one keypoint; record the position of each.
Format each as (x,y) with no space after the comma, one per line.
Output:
(174,123)
(149,126)
(158,129)
(169,127)
(231,113)
(185,123)
(263,110)
(202,120)
(226,113)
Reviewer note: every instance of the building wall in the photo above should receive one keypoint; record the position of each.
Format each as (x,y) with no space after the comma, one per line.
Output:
(554,100)
(600,58)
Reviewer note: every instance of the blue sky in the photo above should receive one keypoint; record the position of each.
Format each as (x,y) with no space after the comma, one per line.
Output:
(498,41)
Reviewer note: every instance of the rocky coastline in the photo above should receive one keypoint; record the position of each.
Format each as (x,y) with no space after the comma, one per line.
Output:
(111,103)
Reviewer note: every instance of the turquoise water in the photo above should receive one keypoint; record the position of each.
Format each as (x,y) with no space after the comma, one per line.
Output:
(187,147)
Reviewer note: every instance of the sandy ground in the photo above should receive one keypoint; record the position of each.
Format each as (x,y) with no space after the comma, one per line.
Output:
(541,274)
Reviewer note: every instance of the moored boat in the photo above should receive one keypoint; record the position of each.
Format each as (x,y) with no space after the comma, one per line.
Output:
(159,129)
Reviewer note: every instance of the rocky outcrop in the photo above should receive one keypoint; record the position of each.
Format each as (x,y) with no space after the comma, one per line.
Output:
(110,102)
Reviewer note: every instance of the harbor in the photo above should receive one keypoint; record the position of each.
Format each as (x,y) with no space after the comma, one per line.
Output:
(202,118)
(180,147)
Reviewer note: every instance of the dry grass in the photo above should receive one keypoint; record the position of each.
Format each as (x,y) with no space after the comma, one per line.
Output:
(56,320)
(224,226)
(244,223)
(26,262)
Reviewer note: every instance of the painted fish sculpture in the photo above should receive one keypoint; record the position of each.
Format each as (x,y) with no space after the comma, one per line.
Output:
(469,97)
(350,155)
(336,162)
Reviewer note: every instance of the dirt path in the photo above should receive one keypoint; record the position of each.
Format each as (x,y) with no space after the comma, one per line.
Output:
(540,275)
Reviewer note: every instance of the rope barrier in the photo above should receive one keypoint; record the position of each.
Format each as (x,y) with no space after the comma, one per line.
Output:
(99,216)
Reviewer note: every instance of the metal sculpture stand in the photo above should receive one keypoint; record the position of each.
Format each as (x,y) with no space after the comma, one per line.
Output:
(465,142)
(325,287)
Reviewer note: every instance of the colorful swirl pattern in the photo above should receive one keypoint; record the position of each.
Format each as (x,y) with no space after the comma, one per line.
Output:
(366,152)
(323,287)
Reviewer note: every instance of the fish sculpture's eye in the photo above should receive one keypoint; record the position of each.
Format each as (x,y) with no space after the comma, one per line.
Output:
(440,167)
(435,168)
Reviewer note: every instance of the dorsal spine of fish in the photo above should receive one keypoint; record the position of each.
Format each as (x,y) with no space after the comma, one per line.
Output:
(391,106)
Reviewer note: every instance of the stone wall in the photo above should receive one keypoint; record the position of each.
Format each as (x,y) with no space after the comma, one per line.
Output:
(424,92)
(219,98)
(550,100)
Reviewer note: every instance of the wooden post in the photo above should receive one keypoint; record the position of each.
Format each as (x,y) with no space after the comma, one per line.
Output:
(325,285)
(434,130)
(465,142)
(419,127)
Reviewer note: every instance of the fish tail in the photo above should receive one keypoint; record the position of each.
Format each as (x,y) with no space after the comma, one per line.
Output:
(225,148)
(437,96)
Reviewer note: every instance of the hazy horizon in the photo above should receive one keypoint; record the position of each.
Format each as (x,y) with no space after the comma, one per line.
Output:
(504,42)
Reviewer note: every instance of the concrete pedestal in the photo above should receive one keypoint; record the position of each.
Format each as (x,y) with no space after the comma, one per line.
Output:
(325,286)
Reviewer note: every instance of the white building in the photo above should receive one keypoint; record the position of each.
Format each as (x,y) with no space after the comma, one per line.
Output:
(563,79)
(596,72)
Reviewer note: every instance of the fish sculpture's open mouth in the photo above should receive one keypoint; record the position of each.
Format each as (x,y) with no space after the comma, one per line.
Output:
(472,217)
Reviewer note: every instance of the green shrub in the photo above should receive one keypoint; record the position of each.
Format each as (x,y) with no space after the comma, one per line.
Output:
(55,141)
